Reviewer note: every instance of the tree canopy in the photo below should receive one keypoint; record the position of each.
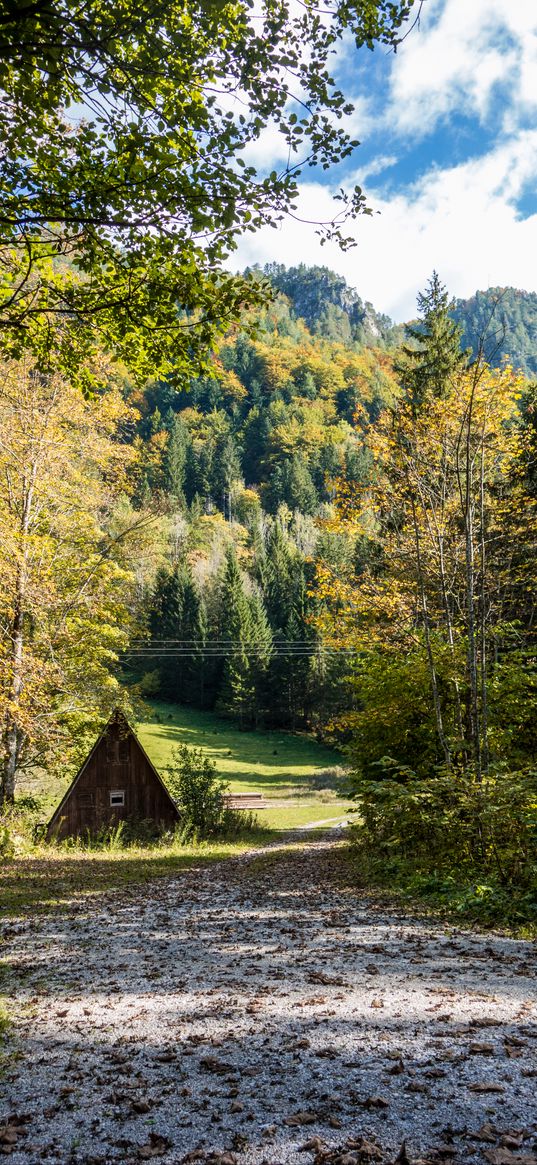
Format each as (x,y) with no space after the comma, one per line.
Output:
(124,173)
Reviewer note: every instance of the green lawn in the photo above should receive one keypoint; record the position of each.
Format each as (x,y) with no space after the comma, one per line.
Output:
(274,763)
(294,772)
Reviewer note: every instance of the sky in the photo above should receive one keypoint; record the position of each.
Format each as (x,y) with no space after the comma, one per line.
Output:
(447,160)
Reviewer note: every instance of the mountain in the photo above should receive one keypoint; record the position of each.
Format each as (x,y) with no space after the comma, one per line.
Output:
(330,308)
(503,322)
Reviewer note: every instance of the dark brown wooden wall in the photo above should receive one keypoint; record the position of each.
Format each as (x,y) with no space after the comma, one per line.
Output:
(119,763)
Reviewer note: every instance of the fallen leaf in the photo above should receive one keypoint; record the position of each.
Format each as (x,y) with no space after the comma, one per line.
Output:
(155,1147)
(141,1106)
(314,1145)
(375,1102)
(502,1156)
(300,1118)
(486,1133)
(486,1086)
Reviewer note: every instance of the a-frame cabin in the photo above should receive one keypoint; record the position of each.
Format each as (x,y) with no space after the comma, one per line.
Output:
(117,781)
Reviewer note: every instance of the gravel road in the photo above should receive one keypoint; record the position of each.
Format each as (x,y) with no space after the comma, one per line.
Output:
(261,1011)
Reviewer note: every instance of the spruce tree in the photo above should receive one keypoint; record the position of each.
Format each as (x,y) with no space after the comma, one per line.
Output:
(433,354)
(301,492)
(226,469)
(178,626)
(176,459)
(165,623)
(286,602)
(236,693)
(192,674)
(261,645)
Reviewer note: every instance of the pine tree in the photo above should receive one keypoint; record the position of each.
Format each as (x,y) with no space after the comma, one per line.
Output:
(236,693)
(434,353)
(165,624)
(286,603)
(261,644)
(176,459)
(191,482)
(192,674)
(255,437)
(178,625)
(301,492)
(226,470)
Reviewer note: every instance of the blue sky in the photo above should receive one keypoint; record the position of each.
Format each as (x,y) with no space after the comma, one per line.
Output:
(448,157)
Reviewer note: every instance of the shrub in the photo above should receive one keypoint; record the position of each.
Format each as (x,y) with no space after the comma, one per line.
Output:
(7,848)
(199,791)
(450,821)
(335,777)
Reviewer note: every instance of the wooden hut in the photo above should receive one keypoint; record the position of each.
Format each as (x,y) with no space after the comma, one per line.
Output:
(117,781)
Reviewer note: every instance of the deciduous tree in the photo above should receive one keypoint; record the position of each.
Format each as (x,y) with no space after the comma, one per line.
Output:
(65,580)
(124,171)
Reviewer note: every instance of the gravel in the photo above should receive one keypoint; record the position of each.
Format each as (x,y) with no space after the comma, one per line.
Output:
(261,1011)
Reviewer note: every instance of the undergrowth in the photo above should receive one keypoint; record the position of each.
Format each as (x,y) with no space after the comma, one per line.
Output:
(467,846)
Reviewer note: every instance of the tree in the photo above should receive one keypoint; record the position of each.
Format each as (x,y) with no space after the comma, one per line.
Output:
(177,624)
(199,790)
(245,642)
(284,588)
(66,581)
(120,219)
(261,649)
(434,355)
(176,460)
(441,619)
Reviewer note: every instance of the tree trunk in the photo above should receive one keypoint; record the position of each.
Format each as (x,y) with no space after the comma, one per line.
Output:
(12,736)
(483,615)
(427,630)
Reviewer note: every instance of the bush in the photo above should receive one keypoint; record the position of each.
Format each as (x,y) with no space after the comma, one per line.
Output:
(335,777)
(199,791)
(7,848)
(451,829)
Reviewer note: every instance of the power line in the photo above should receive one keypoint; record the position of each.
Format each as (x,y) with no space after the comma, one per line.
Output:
(225,653)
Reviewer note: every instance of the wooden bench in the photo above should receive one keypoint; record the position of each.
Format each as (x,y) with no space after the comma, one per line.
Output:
(250,801)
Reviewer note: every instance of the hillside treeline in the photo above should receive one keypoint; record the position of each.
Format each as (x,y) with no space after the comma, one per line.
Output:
(244,465)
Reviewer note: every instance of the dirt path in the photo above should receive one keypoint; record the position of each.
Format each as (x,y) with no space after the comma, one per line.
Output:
(260,1011)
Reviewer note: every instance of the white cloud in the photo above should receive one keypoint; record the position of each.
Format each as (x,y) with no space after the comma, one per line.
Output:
(270,150)
(374,167)
(456,58)
(461,221)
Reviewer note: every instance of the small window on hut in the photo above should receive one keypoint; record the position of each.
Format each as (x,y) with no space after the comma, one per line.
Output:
(117,797)
(85,799)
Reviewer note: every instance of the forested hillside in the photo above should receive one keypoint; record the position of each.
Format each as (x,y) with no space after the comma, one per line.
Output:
(330,308)
(244,465)
(502,323)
